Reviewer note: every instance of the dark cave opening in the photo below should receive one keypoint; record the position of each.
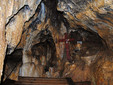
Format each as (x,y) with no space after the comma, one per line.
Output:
(46,49)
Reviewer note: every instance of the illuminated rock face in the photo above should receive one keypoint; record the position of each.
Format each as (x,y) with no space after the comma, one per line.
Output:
(22,11)
(88,22)
(102,71)
(2,34)
(18,11)
(94,15)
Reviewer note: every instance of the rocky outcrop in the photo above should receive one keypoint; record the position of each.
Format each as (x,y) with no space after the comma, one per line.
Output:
(13,15)
(3,44)
(91,15)
(16,23)
(102,70)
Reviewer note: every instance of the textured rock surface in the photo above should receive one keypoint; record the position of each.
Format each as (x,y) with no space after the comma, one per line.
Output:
(11,10)
(77,72)
(12,65)
(103,70)
(2,34)
(34,24)
(25,10)
(92,15)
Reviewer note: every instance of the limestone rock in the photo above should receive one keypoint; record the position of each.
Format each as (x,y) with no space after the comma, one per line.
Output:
(92,15)
(103,71)
(3,44)
(6,12)
(12,72)
(31,70)
(77,72)
(36,26)
(14,27)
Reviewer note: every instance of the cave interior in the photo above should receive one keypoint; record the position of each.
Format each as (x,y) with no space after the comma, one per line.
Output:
(61,40)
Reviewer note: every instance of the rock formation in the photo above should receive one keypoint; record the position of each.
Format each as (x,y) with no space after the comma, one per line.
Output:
(37,27)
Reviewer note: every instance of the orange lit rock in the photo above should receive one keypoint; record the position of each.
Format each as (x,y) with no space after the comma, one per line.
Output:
(14,28)
(3,44)
(15,73)
(77,73)
(93,16)
(87,13)
(103,71)
(8,9)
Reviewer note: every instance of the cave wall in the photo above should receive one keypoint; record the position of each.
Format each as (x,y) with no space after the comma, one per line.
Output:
(59,17)
(10,11)
(93,15)
(12,65)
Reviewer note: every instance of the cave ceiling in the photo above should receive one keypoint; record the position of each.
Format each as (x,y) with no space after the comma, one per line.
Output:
(95,16)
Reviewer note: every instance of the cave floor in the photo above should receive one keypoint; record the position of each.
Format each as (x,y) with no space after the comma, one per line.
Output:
(44,81)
